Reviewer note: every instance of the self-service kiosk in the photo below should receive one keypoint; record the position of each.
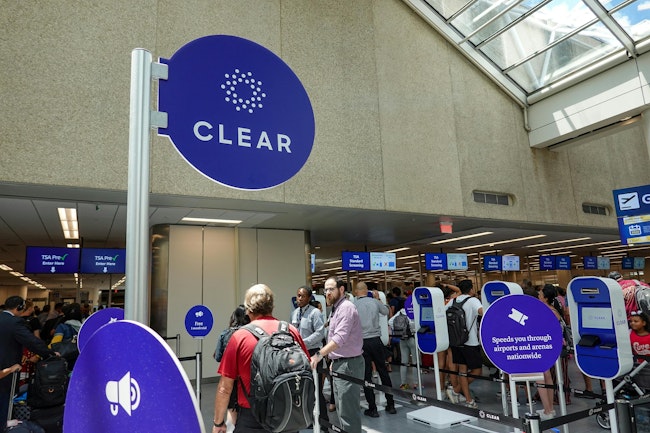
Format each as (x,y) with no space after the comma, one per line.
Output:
(431,337)
(493,290)
(490,292)
(600,331)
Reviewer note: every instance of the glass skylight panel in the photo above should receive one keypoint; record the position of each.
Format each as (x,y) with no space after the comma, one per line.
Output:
(564,58)
(447,8)
(635,19)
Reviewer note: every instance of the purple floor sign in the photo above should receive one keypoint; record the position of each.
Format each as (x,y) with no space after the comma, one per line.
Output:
(520,334)
(96,321)
(126,380)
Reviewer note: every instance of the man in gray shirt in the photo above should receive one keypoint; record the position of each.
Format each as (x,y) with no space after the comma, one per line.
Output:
(373,349)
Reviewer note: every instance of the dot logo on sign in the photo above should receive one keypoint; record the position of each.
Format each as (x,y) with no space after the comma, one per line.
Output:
(243,91)
(236,112)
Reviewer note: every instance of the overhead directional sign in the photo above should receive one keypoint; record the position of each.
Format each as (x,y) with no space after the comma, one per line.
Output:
(103,260)
(236,112)
(50,260)
(632,201)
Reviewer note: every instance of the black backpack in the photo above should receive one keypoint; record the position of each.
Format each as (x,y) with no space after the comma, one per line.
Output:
(282,387)
(457,323)
(49,384)
(402,326)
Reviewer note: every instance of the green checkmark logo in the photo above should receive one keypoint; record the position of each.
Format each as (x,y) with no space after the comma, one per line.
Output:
(116,256)
(64,256)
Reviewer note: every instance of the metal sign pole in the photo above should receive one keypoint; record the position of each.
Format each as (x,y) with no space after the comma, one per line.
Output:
(141,120)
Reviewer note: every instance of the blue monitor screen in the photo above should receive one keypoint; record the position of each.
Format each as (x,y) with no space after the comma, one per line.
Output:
(52,260)
(435,261)
(103,260)
(639,263)
(383,262)
(355,261)
(491,263)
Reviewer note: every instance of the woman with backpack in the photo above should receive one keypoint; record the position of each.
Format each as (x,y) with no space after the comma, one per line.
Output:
(238,318)
(404,328)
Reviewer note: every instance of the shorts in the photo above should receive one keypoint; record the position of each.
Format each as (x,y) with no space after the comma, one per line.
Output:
(467,355)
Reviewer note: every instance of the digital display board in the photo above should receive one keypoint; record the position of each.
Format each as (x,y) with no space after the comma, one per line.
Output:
(435,261)
(355,261)
(510,263)
(627,263)
(383,262)
(103,260)
(52,260)
(546,263)
(590,262)
(563,263)
(603,262)
(639,263)
(457,262)
(491,263)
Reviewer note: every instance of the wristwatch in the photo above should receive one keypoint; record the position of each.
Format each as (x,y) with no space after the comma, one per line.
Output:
(221,424)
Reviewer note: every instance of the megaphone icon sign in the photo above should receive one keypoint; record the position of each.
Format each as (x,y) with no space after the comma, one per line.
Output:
(125,392)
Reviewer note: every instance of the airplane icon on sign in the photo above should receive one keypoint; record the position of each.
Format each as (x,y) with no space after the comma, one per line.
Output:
(628,201)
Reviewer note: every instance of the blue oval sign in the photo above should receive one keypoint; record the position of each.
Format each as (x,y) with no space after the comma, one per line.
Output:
(520,334)
(236,112)
(96,321)
(121,377)
(199,321)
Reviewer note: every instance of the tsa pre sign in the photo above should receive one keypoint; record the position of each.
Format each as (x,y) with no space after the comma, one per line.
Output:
(236,112)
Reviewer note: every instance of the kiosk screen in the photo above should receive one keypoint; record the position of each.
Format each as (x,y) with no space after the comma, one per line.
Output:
(427,314)
(597,318)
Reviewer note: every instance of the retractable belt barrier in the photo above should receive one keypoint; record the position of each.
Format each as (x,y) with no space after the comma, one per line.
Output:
(496,417)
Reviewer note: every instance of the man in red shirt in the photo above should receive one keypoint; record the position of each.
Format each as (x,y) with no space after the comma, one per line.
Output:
(236,361)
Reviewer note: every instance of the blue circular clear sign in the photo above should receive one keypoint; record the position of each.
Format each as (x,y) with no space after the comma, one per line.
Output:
(96,321)
(520,334)
(199,321)
(121,380)
(236,112)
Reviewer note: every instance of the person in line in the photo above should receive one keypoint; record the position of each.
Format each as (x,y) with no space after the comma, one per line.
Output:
(547,295)
(407,349)
(344,348)
(14,335)
(373,349)
(308,319)
(468,357)
(445,361)
(238,318)
(70,324)
(640,340)
(235,366)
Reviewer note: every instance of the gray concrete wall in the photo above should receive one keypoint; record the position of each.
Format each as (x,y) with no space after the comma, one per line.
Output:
(403,121)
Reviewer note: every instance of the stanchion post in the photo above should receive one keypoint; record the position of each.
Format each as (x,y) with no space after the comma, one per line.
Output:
(199,368)
(178,344)
(559,373)
(533,423)
(609,390)
(623,411)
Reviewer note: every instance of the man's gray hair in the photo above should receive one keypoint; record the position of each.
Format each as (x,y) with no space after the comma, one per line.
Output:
(259,300)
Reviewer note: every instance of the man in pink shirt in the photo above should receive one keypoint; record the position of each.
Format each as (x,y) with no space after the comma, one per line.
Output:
(344,348)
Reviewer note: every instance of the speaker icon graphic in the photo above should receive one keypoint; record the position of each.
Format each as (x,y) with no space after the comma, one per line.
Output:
(125,392)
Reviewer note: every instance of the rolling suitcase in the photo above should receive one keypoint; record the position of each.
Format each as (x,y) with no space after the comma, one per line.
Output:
(16,426)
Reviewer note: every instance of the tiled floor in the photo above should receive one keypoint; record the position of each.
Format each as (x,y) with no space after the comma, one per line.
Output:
(485,390)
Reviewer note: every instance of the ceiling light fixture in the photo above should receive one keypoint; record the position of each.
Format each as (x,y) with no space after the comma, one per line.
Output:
(210,220)
(73,246)
(5,268)
(397,250)
(491,244)
(475,235)
(557,242)
(579,246)
(69,223)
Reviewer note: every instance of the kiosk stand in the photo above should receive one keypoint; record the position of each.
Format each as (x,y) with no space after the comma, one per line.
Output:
(490,292)
(599,326)
(431,337)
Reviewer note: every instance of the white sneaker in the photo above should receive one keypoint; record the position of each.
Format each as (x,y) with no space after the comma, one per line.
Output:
(471,404)
(453,396)
(544,416)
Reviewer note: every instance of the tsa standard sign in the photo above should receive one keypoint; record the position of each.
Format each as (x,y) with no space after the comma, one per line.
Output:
(236,112)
